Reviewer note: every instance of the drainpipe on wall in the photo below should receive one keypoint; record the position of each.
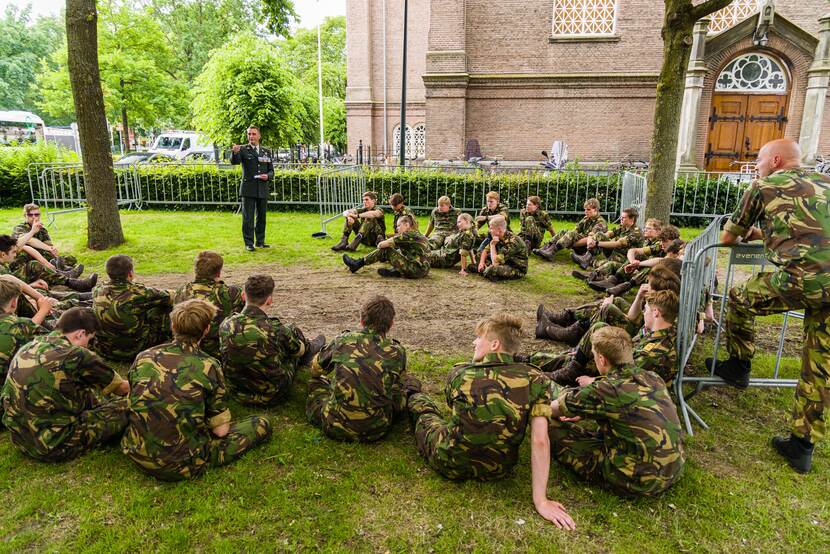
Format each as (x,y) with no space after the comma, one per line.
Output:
(385,115)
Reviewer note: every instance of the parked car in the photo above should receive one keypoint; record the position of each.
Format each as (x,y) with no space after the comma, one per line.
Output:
(135,158)
(179,144)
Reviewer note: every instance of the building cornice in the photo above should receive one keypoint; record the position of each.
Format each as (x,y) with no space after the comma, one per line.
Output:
(495,80)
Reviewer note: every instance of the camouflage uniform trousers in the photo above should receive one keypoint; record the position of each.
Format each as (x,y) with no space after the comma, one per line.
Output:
(371,229)
(441,451)
(772,293)
(436,239)
(398,261)
(638,277)
(33,270)
(103,422)
(583,451)
(607,268)
(243,436)
(532,232)
(333,426)
(567,239)
(501,272)
(443,259)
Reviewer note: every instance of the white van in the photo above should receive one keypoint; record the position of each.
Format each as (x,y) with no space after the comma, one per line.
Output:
(179,144)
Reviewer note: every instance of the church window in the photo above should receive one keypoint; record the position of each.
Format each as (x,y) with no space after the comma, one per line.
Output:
(752,72)
(732,14)
(584,17)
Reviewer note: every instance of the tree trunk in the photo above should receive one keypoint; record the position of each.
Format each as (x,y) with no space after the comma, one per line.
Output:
(678,24)
(103,219)
(124,122)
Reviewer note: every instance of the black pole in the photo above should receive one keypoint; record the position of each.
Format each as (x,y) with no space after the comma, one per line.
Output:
(402,128)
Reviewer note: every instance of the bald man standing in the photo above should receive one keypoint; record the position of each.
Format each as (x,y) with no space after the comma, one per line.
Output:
(789,208)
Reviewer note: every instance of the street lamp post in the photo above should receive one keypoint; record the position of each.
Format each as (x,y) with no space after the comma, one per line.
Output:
(320,92)
(402,127)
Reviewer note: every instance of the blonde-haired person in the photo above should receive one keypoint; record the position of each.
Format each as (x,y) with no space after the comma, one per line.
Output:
(637,448)
(179,421)
(458,247)
(442,223)
(406,252)
(506,255)
(492,400)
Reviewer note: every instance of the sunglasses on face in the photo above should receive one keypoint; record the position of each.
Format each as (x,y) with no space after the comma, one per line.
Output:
(36,214)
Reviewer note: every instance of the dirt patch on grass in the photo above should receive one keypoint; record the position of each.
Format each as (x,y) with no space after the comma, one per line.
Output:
(437,314)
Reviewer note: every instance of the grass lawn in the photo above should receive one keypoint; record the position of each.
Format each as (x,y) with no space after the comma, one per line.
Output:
(303,491)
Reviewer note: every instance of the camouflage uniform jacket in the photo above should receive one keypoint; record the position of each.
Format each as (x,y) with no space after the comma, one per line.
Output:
(227,299)
(541,217)
(628,238)
(460,242)
(257,351)
(366,372)
(444,222)
(47,389)
(512,251)
(652,248)
(491,404)
(414,246)
(380,221)
(590,225)
(25,227)
(14,332)
(501,210)
(177,395)
(656,351)
(791,210)
(121,307)
(638,424)
(405,210)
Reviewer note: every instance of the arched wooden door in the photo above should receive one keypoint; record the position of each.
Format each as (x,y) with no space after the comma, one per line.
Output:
(749,109)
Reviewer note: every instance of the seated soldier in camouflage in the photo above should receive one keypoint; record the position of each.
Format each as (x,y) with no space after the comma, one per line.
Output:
(355,391)
(458,247)
(613,244)
(640,261)
(179,421)
(133,316)
(32,233)
(637,448)
(569,325)
(535,221)
(492,208)
(260,354)
(654,343)
(492,401)
(651,242)
(399,208)
(34,271)
(576,238)
(442,222)
(51,399)
(506,256)
(368,223)
(406,252)
(209,286)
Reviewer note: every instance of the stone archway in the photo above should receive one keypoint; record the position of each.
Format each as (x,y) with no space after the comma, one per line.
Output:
(748,109)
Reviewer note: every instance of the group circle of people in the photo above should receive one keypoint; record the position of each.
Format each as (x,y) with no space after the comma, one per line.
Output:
(602,408)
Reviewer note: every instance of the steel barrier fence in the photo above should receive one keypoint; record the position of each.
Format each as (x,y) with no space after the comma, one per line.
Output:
(634,190)
(699,284)
(338,190)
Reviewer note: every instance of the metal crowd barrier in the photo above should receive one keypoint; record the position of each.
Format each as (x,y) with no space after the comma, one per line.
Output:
(699,285)
(338,190)
(634,191)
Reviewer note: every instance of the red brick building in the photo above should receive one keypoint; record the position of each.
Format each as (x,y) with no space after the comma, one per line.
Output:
(519,74)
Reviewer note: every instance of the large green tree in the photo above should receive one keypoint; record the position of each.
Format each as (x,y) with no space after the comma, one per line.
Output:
(137,72)
(678,24)
(24,45)
(248,82)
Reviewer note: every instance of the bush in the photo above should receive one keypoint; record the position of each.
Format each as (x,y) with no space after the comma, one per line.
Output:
(14,161)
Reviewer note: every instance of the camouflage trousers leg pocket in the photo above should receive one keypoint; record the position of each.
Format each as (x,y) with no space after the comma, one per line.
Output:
(98,425)
(812,395)
(243,436)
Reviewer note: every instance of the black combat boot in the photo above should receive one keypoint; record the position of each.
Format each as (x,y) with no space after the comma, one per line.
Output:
(569,335)
(383,272)
(72,272)
(311,349)
(560,317)
(355,243)
(353,263)
(344,242)
(83,285)
(567,374)
(584,275)
(797,451)
(734,371)
(619,290)
(604,284)
(583,261)
(411,385)
(548,251)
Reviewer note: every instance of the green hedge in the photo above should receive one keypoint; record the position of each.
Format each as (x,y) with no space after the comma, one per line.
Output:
(14,161)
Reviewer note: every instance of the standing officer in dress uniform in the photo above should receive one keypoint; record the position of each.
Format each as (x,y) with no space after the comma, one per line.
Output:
(257,170)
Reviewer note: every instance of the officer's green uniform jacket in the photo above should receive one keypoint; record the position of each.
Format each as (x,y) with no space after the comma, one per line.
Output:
(491,403)
(641,451)
(259,355)
(177,395)
(254,163)
(227,299)
(47,389)
(358,392)
(132,317)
